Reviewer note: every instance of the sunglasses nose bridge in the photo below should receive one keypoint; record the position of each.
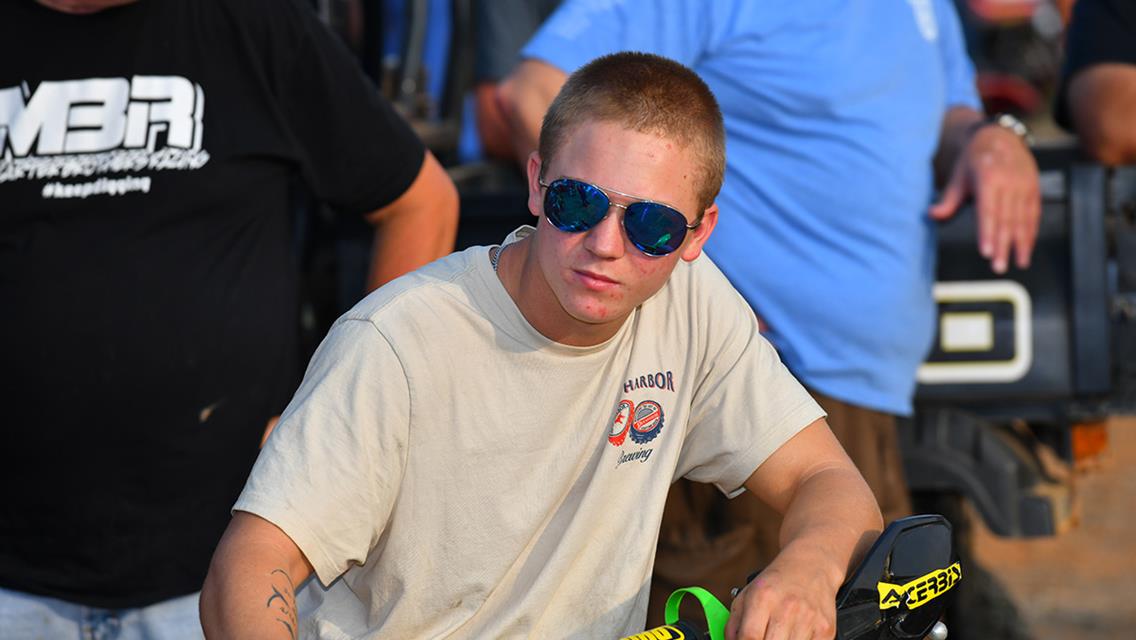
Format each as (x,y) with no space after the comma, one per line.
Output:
(607,237)
(624,232)
(612,204)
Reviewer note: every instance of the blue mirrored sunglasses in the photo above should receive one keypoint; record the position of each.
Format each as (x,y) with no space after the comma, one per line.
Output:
(576,206)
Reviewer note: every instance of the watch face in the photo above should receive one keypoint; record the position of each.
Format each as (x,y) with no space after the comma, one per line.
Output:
(1011,122)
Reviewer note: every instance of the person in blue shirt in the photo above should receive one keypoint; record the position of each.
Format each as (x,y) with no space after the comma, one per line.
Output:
(841,117)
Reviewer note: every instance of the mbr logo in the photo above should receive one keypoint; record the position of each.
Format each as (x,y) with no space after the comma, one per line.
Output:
(93,115)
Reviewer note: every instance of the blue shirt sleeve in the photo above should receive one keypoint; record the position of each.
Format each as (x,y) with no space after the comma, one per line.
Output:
(582,30)
(962,90)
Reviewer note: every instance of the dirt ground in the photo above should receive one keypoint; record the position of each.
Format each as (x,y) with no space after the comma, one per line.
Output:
(1080,585)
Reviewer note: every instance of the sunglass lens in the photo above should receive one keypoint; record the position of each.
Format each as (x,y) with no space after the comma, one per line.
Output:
(574,206)
(654,228)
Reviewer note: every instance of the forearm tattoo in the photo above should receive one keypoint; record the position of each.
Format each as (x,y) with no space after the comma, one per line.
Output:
(283,602)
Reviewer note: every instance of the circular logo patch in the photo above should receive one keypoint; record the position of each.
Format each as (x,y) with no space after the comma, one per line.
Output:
(621,422)
(648,422)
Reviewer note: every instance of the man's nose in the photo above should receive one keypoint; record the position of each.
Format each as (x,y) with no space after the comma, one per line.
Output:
(606,240)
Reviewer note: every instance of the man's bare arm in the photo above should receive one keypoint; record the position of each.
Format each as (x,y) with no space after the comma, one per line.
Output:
(524,98)
(418,227)
(250,591)
(796,481)
(831,519)
(1102,101)
(492,127)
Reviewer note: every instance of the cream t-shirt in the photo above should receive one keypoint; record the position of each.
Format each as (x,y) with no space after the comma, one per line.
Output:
(449,472)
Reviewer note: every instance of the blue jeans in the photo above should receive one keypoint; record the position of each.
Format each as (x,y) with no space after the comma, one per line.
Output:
(25,616)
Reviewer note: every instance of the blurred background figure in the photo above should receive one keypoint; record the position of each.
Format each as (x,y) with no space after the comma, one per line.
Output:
(1016,49)
(1097,98)
(150,312)
(502,28)
(827,223)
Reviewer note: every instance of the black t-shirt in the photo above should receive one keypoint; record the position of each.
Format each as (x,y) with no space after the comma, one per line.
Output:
(148,315)
(1100,31)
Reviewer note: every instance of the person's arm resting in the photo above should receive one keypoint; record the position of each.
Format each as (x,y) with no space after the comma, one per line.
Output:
(524,97)
(831,519)
(417,228)
(1102,102)
(250,590)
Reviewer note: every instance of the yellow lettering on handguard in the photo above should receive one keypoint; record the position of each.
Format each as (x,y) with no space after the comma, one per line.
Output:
(921,590)
(658,633)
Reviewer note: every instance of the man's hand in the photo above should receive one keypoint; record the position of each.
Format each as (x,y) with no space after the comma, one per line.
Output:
(794,598)
(830,520)
(998,170)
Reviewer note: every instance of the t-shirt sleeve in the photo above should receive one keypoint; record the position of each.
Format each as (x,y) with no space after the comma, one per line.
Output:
(962,90)
(330,472)
(581,30)
(353,149)
(746,404)
(1100,31)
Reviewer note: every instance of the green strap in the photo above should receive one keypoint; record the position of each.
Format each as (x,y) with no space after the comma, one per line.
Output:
(716,613)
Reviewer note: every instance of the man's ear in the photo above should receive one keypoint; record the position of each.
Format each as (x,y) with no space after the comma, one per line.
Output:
(536,203)
(697,237)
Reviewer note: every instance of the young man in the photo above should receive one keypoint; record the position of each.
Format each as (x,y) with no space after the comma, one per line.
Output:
(483,448)
(825,227)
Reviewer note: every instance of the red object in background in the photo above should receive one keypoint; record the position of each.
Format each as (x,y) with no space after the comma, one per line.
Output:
(1004,10)
(1005,93)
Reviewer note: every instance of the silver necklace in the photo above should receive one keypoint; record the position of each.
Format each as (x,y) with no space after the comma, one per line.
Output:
(495,256)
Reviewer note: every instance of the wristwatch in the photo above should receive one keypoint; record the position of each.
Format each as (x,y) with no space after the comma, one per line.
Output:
(1009,122)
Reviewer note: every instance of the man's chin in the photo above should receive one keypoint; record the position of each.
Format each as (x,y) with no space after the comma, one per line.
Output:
(598,315)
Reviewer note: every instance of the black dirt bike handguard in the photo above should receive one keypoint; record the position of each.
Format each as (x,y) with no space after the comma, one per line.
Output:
(892,595)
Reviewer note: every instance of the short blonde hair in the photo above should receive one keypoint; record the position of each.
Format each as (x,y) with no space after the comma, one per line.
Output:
(645,93)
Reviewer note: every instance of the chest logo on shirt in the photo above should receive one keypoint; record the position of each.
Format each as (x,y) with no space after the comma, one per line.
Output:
(92,127)
(621,422)
(663,380)
(642,422)
(648,422)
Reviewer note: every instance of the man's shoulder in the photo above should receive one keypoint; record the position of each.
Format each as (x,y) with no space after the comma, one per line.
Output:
(699,296)
(442,283)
